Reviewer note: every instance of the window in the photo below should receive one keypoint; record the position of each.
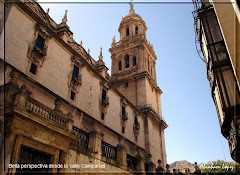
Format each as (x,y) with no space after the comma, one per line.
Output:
(127,31)
(126,85)
(105,98)
(33,68)
(123,130)
(72,95)
(102,116)
(120,65)
(104,94)
(135,121)
(75,71)
(123,110)
(28,155)
(127,61)
(134,61)
(136,30)
(40,42)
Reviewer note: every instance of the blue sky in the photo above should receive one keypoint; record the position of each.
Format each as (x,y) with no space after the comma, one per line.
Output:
(194,132)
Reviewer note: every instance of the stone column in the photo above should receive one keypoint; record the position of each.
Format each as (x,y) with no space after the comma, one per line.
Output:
(121,153)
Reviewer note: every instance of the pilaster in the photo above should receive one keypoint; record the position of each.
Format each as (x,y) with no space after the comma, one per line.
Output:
(121,153)
(95,142)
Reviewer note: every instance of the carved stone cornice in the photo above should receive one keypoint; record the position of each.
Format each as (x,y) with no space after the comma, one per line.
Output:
(150,112)
(134,77)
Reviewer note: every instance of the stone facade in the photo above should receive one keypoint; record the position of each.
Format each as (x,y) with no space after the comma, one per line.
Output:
(62,107)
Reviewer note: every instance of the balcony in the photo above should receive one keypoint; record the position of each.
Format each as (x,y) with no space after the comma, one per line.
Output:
(137,124)
(124,115)
(105,100)
(76,80)
(41,51)
(47,114)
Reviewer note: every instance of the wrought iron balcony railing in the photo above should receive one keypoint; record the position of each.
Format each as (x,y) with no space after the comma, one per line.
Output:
(137,124)
(124,115)
(40,51)
(105,100)
(109,151)
(83,137)
(77,80)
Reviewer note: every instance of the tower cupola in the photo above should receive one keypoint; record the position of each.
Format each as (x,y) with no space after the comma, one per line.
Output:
(132,25)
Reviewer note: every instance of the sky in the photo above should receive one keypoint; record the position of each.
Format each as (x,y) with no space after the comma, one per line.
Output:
(194,131)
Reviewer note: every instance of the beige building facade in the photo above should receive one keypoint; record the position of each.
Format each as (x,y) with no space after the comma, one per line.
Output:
(62,106)
(217,26)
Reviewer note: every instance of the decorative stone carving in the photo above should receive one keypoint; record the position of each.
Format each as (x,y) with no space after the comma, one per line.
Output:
(75,81)
(69,115)
(58,104)
(124,101)
(11,88)
(78,61)
(105,84)
(124,119)
(44,30)
(104,99)
(210,74)
(232,139)
(22,95)
(35,53)
(136,128)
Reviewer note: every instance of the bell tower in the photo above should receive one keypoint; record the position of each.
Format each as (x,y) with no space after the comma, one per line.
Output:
(134,75)
(133,63)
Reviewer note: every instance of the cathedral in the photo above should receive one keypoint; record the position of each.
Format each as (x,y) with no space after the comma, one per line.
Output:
(63,113)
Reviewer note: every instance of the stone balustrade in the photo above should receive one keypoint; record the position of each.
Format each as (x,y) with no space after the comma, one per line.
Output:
(48,114)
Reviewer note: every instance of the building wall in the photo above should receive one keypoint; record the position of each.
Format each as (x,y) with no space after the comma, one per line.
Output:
(217,27)
(230,26)
(58,64)
(153,98)
(50,86)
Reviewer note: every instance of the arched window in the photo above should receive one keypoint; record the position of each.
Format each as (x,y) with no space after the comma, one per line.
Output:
(127,31)
(136,30)
(120,65)
(134,61)
(127,61)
